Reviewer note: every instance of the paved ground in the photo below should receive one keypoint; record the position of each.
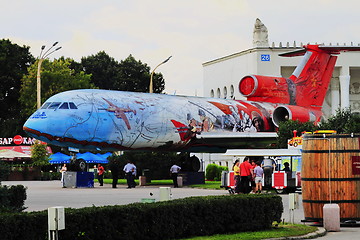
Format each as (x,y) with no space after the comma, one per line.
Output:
(44,194)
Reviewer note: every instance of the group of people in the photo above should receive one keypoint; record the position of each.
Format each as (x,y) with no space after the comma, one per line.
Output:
(130,173)
(247,173)
(129,169)
(249,176)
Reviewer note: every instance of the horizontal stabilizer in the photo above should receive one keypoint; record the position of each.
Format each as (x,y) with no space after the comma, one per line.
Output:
(329,49)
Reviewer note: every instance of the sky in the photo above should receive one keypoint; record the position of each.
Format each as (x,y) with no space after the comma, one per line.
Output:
(191,31)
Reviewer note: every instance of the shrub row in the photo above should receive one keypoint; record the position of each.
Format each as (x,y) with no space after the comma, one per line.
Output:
(194,216)
(12,198)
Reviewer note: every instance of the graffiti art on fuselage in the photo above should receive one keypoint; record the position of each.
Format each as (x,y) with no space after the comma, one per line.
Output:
(131,120)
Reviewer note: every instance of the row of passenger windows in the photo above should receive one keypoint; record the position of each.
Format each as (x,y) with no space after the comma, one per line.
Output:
(60,105)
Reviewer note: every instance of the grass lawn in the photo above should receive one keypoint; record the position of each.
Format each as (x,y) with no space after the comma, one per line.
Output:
(153,182)
(283,230)
(207,185)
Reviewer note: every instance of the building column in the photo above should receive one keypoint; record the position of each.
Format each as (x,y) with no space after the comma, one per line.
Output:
(344,90)
(335,95)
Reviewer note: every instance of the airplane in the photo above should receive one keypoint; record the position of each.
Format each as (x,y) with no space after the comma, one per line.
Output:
(93,119)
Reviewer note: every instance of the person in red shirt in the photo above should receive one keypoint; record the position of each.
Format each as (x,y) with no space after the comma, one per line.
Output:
(100,172)
(245,175)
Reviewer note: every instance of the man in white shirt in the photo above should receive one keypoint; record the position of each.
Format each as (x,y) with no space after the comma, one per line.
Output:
(174,170)
(130,172)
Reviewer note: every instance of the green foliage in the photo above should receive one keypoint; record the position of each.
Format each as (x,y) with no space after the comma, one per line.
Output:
(286,128)
(194,216)
(126,75)
(213,172)
(56,77)
(39,154)
(344,121)
(104,70)
(12,198)
(14,61)
(135,76)
(4,171)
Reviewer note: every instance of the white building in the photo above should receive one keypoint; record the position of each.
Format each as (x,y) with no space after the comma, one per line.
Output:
(222,76)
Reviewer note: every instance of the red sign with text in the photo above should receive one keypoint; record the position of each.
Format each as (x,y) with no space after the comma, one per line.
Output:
(356,165)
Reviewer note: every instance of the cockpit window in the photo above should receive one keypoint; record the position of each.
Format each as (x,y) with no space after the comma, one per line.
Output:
(54,105)
(65,105)
(45,105)
(72,105)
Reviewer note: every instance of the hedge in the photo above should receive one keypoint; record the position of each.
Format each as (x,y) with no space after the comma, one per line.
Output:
(12,198)
(181,218)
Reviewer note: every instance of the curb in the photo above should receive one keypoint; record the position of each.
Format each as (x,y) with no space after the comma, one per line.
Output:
(319,233)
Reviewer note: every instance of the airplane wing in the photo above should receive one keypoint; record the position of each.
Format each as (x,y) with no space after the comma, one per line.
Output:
(220,142)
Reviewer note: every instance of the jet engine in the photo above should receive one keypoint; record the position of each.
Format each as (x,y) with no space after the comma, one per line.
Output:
(266,89)
(292,112)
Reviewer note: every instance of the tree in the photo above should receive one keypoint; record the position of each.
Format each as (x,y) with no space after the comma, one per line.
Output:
(39,154)
(14,61)
(135,76)
(104,70)
(286,128)
(344,121)
(128,75)
(56,77)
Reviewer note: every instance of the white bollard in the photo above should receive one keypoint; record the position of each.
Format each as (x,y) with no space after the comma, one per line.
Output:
(165,193)
(180,181)
(331,217)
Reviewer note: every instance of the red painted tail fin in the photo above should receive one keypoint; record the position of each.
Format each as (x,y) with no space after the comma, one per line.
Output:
(309,82)
(306,87)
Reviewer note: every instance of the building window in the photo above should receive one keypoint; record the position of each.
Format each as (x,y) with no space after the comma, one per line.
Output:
(218,93)
(232,92)
(225,92)
(212,93)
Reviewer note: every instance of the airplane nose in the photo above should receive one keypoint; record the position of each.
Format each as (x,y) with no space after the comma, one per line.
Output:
(35,125)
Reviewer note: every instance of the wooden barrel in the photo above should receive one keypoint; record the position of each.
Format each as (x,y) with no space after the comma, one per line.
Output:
(330,173)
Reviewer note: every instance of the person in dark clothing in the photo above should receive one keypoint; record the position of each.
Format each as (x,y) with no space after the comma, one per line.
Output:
(115,174)
(287,167)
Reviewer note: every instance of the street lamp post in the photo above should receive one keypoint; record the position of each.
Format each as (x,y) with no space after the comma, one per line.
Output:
(152,73)
(42,57)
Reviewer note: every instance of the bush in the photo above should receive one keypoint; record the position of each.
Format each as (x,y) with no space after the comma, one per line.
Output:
(213,172)
(180,218)
(12,198)
(50,176)
(4,171)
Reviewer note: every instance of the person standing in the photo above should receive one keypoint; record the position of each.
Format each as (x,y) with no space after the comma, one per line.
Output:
(63,171)
(252,178)
(100,174)
(114,168)
(268,165)
(236,170)
(174,170)
(259,173)
(130,171)
(245,175)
